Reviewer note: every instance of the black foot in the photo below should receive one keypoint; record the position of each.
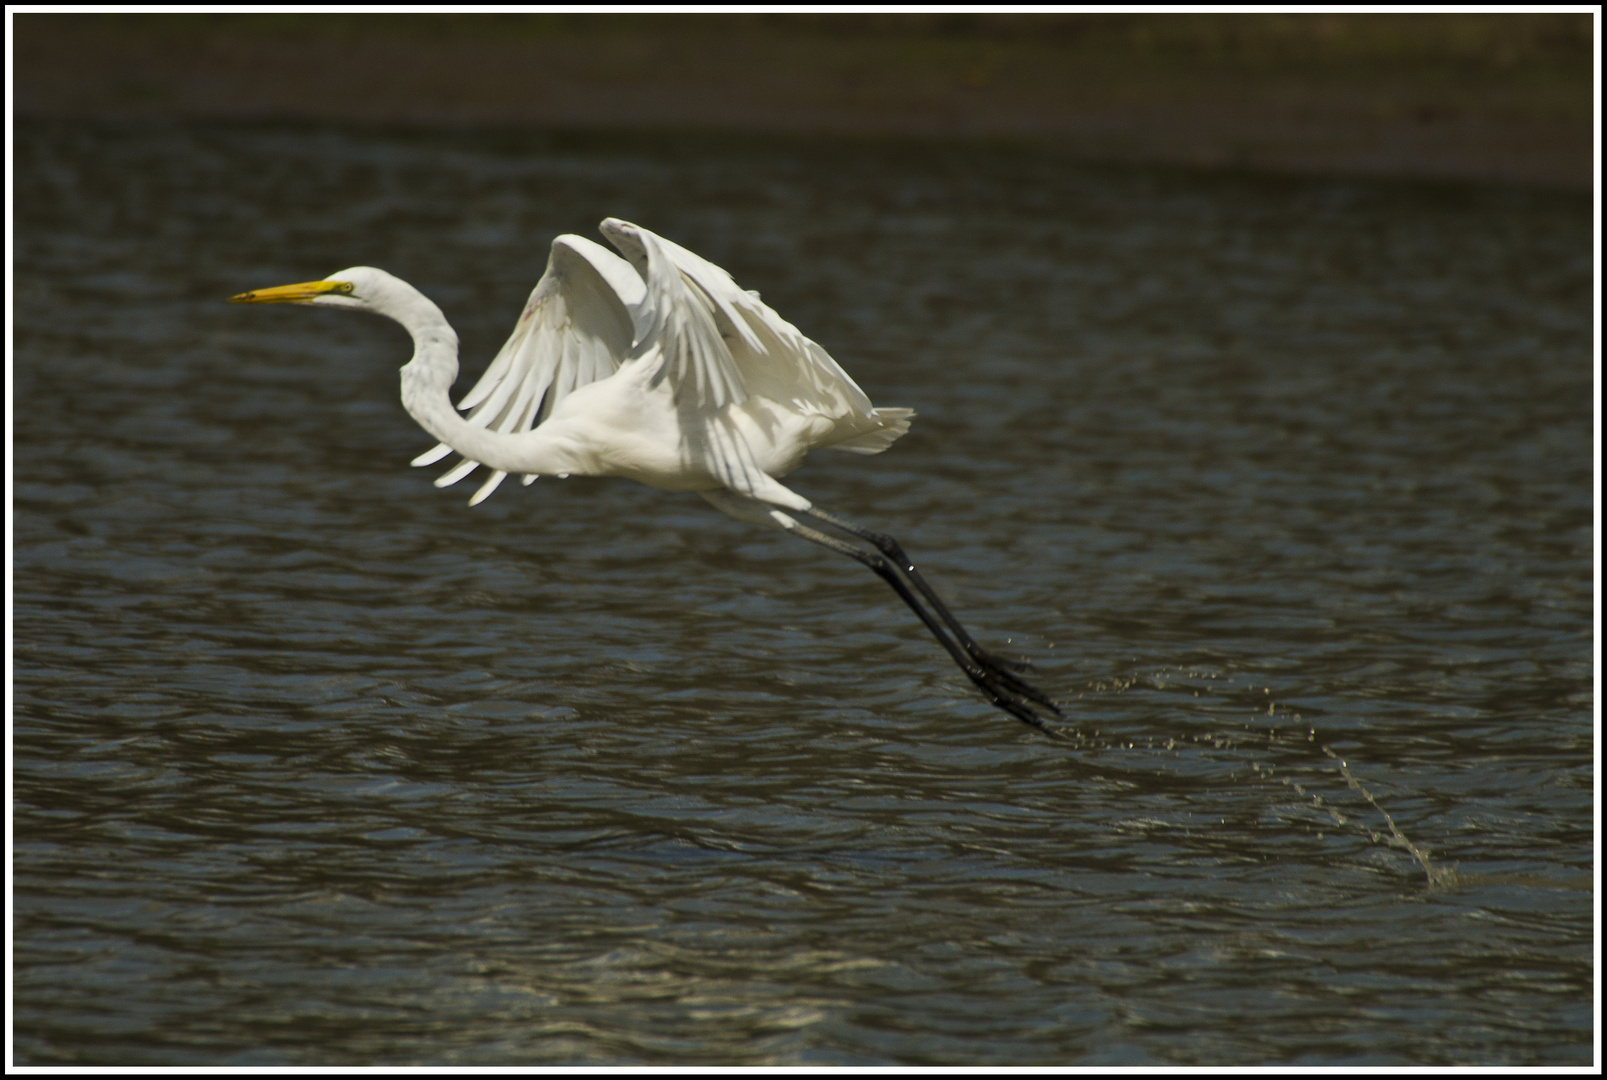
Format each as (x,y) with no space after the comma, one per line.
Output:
(1009,692)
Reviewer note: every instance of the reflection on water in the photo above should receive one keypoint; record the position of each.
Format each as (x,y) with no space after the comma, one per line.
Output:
(314,765)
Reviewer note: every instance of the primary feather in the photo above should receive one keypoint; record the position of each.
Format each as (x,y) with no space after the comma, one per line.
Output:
(716,344)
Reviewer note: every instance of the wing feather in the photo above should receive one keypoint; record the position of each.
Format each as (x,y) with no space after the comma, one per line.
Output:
(692,352)
(773,357)
(577,327)
(681,342)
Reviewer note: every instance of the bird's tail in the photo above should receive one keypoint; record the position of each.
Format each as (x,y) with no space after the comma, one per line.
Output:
(891,423)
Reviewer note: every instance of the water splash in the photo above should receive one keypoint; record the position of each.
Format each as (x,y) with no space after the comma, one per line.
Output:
(1439,877)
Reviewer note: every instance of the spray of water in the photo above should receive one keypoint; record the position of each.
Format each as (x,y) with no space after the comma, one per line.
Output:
(1438,876)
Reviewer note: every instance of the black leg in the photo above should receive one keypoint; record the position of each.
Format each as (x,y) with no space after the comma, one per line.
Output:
(894,551)
(1002,688)
(890,547)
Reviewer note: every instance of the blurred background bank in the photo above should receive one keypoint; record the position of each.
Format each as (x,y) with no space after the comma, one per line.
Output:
(1486,97)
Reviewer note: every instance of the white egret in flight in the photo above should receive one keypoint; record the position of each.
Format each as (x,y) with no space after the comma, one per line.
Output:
(658,367)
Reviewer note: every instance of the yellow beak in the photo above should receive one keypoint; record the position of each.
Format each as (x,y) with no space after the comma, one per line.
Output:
(292,294)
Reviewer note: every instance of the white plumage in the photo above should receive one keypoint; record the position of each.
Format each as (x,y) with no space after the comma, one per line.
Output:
(658,367)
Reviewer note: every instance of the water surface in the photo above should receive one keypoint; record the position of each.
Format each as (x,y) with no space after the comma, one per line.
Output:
(314,765)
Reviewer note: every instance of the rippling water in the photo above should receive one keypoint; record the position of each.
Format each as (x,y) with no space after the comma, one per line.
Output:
(315,765)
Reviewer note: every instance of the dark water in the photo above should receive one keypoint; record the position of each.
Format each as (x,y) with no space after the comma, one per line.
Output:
(314,765)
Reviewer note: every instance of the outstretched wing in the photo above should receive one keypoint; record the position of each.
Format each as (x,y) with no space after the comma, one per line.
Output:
(773,356)
(682,344)
(692,353)
(576,328)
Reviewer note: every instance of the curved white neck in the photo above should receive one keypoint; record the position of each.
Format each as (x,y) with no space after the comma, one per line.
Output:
(426,385)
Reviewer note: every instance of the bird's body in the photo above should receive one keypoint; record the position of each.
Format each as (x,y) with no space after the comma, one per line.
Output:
(656,367)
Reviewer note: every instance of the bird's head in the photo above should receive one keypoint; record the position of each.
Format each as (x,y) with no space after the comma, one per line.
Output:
(363,288)
(360,287)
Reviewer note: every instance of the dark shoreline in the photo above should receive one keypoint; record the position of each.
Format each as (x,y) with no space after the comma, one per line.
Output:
(1491,99)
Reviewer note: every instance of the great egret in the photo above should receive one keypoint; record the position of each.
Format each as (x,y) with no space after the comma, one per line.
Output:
(658,367)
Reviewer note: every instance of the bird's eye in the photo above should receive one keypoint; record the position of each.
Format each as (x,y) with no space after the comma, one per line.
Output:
(345,288)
